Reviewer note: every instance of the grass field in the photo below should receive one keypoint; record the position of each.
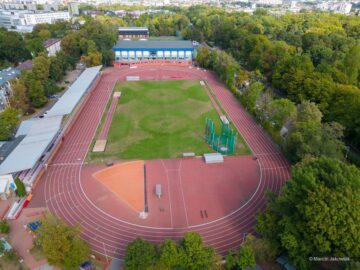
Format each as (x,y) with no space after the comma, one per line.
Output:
(160,119)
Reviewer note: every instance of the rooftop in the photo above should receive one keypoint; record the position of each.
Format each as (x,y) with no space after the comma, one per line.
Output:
(35,135)
(153,44)
(8,74)
(71,97)
(49,42)
(8,146)
(133,29)
(29,150)
(25,65)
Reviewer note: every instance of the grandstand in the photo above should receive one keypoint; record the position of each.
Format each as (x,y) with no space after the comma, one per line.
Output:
(145,51)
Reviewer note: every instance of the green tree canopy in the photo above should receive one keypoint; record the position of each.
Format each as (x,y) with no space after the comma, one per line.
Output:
(308,111)
(41,66)
(19,98)
(170,255)
(4,227)
(281,110)
(243,259)
(9,118)
(314,139)
(61,243)
(140,255)
(252,94)
(12,48)
(20,187)
(189,254)
(195,255)
(317,212)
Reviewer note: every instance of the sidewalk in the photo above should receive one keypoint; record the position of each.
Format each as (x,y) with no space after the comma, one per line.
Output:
(21,240)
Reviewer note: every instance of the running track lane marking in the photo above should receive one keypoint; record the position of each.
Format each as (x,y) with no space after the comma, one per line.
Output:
(182,193)
(168,182)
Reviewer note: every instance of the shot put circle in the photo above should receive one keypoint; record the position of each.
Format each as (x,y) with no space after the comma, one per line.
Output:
(164,124)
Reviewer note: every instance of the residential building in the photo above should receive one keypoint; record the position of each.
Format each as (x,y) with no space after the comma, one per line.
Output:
(46,17)
(52,46)
(24,20)
(6,75)
(73,8)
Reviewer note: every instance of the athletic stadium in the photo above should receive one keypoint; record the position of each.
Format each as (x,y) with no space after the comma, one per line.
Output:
(151,149)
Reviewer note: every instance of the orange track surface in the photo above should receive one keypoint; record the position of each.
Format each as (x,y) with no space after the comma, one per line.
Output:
(126,180)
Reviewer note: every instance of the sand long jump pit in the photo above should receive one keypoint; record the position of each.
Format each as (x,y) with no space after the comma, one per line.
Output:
(126,181)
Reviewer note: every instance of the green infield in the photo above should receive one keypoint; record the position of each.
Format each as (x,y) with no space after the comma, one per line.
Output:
(160,119)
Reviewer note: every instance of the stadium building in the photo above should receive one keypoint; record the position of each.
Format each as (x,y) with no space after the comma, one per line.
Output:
(133,32)
(153,51)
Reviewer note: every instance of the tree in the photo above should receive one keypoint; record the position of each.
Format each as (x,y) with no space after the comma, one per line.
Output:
(170,256)
(195,255)
(18,98)
(50,88)
(9,118)
(308,111)
(12,47)
(246,258)
(202,57)
(4,227)
(61,243)
(56,71)
(41,66)
(241,78)
(317,212)
(44,34)
(262,248)
(20,187)
(281,110)
(140,255)
(93,57)
(2,247)
(35,46)
(252,94)
(345,109)
(352,65)
(37,93)
(314,139)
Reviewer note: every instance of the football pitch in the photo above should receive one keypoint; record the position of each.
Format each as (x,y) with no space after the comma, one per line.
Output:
(160,120)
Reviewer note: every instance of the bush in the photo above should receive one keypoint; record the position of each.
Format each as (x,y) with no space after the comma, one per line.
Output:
(21,191)
(4,226)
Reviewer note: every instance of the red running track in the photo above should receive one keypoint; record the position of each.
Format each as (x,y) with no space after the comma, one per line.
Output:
(108,235)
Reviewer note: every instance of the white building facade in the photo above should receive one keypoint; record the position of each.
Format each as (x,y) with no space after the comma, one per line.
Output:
(46,17)
(24,20)
(52,46)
